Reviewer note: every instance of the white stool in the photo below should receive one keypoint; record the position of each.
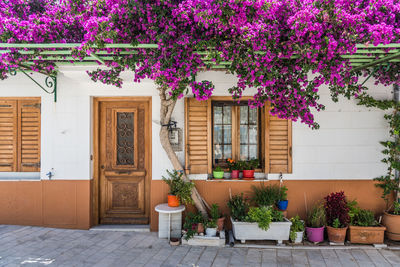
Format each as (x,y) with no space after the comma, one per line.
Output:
(169,218)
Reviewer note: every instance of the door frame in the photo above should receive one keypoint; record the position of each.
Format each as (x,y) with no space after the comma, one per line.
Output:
(95,187)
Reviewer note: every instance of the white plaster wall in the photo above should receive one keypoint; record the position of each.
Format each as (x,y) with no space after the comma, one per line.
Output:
(345,147)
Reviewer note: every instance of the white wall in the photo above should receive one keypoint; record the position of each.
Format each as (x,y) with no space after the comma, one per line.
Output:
(345,147)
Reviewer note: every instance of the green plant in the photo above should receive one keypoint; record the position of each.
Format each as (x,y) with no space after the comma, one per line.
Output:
(191,222)
(297,226)
(336,208)
(218,169)
(390,183)
(283,193)
(250,164)
(396,208)
(316,216)
(211,224)
(238,206)
(353,210)
(261,215)
(178,187)
(364,218)
(277,215)
(214,212)
(266,195)
(336,223)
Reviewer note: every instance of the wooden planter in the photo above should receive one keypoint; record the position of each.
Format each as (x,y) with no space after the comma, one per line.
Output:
(392,223)
(278,231)
(366,235)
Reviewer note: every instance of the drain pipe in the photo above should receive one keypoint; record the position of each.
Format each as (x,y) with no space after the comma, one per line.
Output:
(396,98)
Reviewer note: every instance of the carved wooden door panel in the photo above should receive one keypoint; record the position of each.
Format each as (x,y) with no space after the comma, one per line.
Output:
(123,181)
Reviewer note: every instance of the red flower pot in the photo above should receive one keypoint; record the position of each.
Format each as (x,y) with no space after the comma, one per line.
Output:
(248,174)
(235,174)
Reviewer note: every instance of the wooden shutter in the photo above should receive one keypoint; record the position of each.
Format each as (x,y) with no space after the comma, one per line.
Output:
(197,136)
(278,144)
(29,135)
(8,135)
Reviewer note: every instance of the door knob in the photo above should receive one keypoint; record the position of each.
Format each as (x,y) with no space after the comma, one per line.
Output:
(102,167)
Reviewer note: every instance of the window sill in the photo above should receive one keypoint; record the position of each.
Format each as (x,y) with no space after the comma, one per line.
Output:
(19,176)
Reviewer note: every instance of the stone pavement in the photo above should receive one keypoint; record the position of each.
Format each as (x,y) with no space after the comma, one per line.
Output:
(37,246)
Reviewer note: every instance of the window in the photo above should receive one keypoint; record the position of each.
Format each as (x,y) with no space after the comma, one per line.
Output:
(235,132)
(19,134)
(219,128)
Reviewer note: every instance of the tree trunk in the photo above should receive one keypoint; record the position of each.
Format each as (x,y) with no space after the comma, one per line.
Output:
(166,109)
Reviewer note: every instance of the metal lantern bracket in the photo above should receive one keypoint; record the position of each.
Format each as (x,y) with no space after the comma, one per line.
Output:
(171,125)
(50,82)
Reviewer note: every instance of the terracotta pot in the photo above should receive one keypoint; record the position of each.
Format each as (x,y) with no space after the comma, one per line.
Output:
(173,201)
(220,223)
(336,235)
(248,174)
(315,235)
(392,223)
(366,235)
(200,228)
(235,174)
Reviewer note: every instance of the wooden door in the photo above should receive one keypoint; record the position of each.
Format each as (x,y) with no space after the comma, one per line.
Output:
(123,153)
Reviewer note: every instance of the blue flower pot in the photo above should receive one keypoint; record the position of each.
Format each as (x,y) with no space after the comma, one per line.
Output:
(282,204)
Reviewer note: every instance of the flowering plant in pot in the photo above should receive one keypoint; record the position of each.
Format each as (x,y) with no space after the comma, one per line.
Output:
(337,215)
(194,224)
(234,167)
(217,216)
(296,229)
(180,191)
(218,173)
(249,168)
(316,221)
(283,202)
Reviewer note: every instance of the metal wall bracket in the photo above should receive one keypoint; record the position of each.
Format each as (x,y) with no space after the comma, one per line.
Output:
(50,82)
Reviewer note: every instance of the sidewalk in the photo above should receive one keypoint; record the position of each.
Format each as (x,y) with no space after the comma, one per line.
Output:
(37,246)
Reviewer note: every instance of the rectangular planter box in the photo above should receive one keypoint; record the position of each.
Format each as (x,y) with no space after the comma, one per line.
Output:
(366,235)
(278,231)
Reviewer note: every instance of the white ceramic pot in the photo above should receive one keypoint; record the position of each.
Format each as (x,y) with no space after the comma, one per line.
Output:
(299,237)
(211,231)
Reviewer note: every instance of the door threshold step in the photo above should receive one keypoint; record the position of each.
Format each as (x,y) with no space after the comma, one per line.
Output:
(144,228)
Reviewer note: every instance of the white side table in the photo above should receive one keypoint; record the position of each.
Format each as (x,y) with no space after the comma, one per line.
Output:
(166,211)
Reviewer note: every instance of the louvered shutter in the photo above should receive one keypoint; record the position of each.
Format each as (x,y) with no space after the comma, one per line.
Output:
(8,135)
(29,135)
(278,144)
(197,136)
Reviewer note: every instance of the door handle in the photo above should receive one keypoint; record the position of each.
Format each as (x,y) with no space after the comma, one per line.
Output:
(102,167)
(124,172)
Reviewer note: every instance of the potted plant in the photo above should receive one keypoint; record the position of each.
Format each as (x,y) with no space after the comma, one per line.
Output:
(296,230)
(283,202)
(337,215)
(266,195)
(238,206)
(364,229)
(316,221)
(262,223)
(211,228)
(193,224)
(234,168)
(249,168)
(218,173)
(217,216)
(180,191)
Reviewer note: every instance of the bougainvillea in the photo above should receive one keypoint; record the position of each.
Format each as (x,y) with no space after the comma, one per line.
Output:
(286,49)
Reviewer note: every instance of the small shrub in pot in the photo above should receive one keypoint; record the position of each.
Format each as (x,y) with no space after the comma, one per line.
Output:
(217,216)
(218,173)
(180,191)
(283,202)
(337,215)
(316,221)
(266,195)
(193,222)
(296,229)
(238,206)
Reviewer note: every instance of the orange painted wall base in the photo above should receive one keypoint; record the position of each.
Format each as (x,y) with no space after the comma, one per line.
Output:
(56,203)
(300,193)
